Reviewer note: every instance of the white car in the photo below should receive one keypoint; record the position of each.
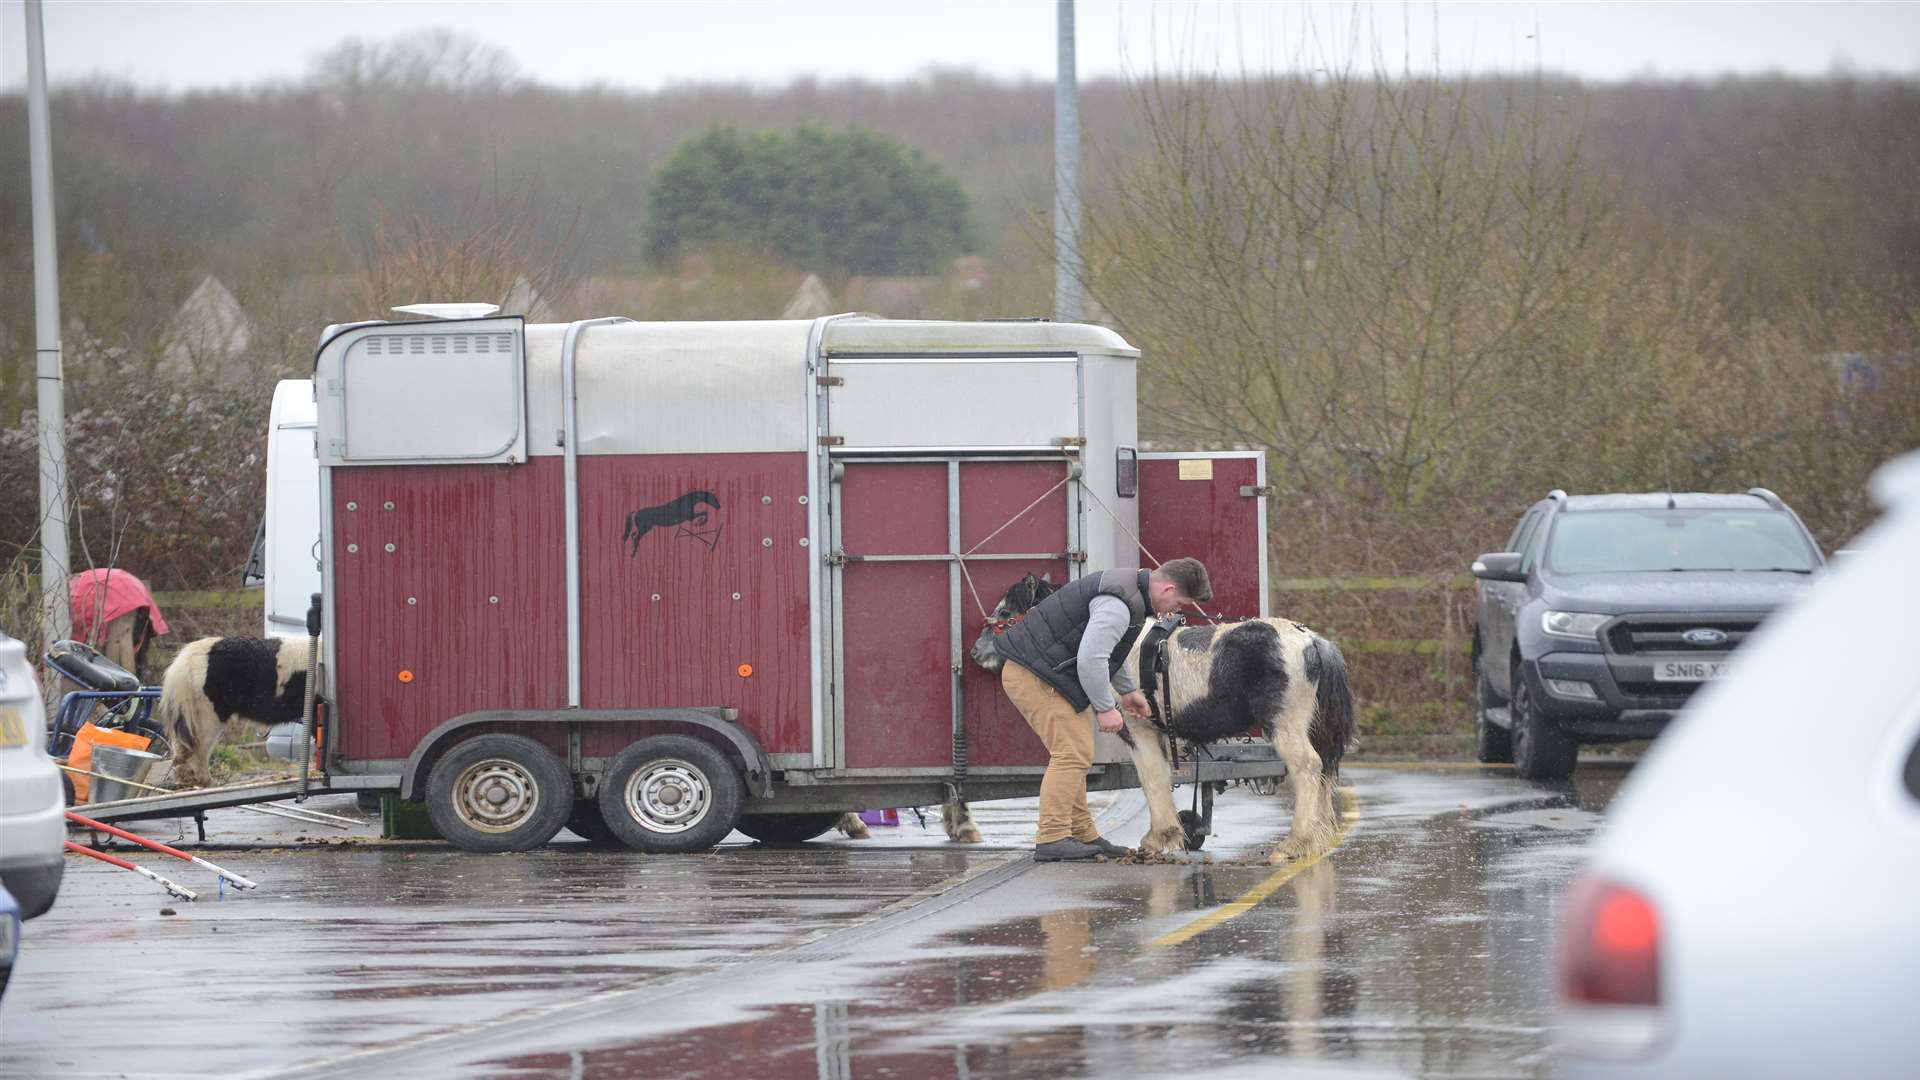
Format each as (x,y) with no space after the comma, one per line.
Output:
(33,826)
(1752,906)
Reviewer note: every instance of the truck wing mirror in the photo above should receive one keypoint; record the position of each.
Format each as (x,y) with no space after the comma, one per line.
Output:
(1498,566)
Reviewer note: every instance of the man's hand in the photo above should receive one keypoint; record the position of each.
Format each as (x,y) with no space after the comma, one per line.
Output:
(1110,721)
(1136,703)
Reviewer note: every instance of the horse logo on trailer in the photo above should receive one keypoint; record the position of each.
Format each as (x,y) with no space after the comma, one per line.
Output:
(688,509)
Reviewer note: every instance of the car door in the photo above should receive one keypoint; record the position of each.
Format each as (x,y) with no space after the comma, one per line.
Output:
(1500,603)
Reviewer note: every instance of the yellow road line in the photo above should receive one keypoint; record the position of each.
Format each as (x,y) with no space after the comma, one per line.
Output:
(1424,765)
(1252,897)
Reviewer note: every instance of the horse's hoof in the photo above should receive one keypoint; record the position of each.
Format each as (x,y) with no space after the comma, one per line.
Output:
(968,835)
(1168,841)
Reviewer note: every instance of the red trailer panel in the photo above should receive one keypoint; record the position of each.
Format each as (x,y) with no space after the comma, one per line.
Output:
(694,588)
(468,611)
(991,493)
(450,584)
(897,687)
(897,619)
(1210,507)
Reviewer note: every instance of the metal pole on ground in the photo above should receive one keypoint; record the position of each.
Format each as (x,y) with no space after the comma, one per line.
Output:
(55,615)
(1066,175)
(165,849)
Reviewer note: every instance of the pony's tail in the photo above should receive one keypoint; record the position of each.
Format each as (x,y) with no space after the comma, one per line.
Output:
(1332,727)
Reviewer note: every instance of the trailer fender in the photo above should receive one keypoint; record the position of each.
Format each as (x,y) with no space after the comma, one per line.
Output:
(759,771)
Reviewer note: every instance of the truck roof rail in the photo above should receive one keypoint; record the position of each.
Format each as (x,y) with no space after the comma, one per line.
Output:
(1767,497)
(1557,495)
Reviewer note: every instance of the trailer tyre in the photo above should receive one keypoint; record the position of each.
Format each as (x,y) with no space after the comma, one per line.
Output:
(787,828)
(497,792)
(671,793)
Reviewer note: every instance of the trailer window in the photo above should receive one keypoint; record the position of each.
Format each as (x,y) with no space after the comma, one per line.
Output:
(1126,472)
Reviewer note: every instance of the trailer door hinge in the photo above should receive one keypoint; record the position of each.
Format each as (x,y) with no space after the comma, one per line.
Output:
(1249,491)
(833,440)
(1070,440)
(836,558)
(1077,556)
(830,380)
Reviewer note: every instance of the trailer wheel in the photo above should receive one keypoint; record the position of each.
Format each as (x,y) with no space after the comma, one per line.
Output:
(499,792)
(787,828)
(671,793)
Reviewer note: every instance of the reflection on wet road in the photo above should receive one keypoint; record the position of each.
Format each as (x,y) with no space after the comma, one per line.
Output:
(1417,948)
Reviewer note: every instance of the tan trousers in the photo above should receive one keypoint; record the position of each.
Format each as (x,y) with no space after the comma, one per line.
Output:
(1069,738)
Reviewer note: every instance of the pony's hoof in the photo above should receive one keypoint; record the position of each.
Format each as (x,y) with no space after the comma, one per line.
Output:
(1167,841)
(968,834)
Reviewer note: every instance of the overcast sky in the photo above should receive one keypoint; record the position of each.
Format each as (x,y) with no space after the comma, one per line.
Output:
(182,45)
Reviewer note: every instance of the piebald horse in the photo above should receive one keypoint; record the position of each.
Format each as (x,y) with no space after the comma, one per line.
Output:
(1273,676)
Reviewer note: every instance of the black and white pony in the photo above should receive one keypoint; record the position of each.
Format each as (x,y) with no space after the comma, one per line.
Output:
(214,680)
(1273,676)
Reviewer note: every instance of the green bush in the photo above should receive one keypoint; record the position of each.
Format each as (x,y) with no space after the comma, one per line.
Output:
(839,202)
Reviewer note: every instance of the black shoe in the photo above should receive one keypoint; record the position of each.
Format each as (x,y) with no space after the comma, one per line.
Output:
(1068,850)
(1107,847)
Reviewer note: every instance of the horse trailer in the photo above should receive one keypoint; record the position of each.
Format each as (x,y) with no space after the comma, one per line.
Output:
(643,578)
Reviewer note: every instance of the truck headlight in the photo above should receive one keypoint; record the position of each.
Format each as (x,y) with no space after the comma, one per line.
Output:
(1573,624)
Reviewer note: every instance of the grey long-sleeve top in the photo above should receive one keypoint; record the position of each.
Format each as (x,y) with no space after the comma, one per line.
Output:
(1107,622)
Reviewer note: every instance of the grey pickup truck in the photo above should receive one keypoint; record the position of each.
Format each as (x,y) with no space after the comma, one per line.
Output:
(1604,613)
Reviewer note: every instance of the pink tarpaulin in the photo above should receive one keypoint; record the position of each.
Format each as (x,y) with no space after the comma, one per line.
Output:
(101,596)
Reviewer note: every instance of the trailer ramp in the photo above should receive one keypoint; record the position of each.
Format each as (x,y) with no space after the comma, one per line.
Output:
(197,801)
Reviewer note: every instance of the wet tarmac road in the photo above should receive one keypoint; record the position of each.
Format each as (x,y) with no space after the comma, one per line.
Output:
(1417,948)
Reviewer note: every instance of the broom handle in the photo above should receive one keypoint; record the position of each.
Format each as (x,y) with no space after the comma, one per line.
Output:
(176,889)
(154,845)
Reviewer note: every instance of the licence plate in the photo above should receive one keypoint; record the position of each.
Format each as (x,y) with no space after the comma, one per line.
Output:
(1691,670)
(13,727)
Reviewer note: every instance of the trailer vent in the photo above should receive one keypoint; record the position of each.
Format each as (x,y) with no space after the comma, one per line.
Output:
(474,376)
(439,344)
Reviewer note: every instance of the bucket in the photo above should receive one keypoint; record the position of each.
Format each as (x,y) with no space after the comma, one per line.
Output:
(124,763)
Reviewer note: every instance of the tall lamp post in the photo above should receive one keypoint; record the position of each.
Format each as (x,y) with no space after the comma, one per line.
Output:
(55,615)
(1066,176)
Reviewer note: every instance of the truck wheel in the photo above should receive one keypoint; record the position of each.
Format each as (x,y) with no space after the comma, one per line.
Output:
(588,823)
(671,793)
(1493,744)
(499,792)
(787,828)
(1540,751)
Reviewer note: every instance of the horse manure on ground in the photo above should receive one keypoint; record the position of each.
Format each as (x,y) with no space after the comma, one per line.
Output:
(1142,857)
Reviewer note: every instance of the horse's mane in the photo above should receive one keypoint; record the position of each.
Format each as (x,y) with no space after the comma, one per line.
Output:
(1027,592)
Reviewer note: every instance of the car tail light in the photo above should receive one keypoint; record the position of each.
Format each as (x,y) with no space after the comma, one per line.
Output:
(1609,969)
(1609,946)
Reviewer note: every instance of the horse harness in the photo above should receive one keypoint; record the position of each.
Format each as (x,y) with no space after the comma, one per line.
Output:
(1155,678)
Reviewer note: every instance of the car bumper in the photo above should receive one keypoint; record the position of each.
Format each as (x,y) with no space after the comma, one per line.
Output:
(33,857)
(1612,715)
(34,886)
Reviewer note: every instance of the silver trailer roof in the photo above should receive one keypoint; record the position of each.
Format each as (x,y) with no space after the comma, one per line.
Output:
(742,387)
(904,337)
(685,387)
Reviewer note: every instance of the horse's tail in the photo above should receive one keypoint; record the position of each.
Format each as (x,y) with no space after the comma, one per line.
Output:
(1332,727)
(179,690)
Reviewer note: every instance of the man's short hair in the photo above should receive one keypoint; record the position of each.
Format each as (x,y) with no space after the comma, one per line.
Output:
(1189,577)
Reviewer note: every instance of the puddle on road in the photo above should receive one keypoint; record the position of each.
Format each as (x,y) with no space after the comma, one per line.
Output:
(342,950)
(1420,948)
